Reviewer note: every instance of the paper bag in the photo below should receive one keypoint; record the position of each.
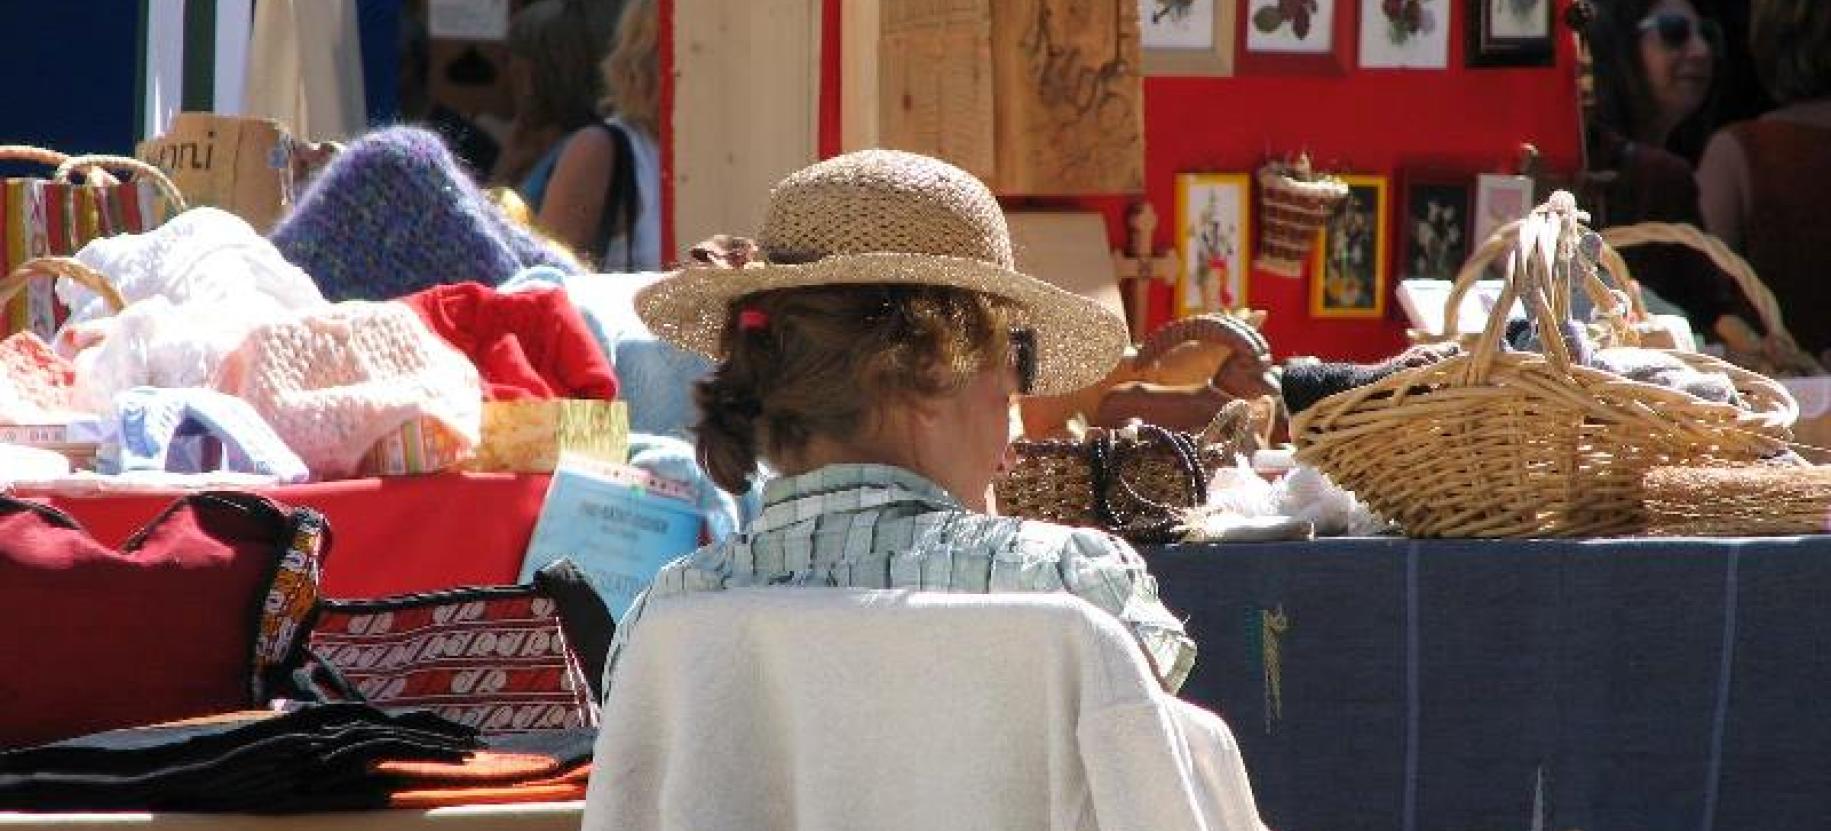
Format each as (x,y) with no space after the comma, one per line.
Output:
(241,165)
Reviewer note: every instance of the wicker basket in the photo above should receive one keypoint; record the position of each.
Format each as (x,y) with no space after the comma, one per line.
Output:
(1777,353)
(68,268)
(1135,482)
(1741,501)
(1510,444)
(1291,210)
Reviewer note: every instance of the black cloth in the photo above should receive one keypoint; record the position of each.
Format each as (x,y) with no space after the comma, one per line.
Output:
(1446,684)
(317,757)
(587,622)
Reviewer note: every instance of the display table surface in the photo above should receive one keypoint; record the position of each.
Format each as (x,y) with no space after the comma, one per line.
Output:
(1416,685)
(389,536)
(1620,684)
(535,816)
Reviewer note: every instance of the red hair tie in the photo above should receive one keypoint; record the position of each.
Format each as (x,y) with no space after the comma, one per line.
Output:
(752,320)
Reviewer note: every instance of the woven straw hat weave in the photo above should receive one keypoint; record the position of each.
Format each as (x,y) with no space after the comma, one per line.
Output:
(889,217)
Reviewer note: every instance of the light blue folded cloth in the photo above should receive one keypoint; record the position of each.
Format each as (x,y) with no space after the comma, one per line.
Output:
(152,426)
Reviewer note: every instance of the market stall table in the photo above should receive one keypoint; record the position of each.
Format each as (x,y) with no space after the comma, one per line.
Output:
(1384,682)
(1435,684)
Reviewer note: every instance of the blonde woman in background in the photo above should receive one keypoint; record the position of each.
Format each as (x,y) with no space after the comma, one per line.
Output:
(604,198)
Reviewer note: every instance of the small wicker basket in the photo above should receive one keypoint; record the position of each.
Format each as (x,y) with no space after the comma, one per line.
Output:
(1292,207)
(1510,444)
(1135,482)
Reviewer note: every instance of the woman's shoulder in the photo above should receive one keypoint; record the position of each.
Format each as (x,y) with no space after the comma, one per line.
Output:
(590,143)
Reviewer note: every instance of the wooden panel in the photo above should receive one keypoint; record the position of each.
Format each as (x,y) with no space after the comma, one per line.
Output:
(859,23)
(935,80)
(746,109)
(1070,100)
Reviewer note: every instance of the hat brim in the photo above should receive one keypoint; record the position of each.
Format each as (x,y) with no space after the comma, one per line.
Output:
(1078,341)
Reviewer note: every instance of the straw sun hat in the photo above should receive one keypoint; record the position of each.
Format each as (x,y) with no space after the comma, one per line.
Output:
(888,217)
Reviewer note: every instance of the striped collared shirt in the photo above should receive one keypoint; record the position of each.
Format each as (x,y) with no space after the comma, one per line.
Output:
(882,527)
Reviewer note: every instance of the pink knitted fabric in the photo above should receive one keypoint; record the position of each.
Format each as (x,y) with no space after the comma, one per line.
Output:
(35,382)
(333,382)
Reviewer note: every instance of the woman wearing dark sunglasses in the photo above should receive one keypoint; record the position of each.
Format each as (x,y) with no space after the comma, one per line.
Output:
(1655,64)
(1762,181)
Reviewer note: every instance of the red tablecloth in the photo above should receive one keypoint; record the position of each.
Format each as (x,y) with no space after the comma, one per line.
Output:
(391,536)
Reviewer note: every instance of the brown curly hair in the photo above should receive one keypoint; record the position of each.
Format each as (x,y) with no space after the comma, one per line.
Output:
(825,361)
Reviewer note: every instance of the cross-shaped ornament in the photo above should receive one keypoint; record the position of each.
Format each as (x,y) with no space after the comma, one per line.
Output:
(1137,265)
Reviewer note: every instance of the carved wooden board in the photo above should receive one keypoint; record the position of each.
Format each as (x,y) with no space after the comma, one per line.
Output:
(1070,97)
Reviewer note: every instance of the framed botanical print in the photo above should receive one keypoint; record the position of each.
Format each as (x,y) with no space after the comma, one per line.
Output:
(1434,227)
(1499,199)
(1348,277)
(1187,37)
(1405,34)
(1295,37)
(1213,226)
(1508,33)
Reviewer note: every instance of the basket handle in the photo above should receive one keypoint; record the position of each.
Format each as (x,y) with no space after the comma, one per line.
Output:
(1767,307)
(1501,243)
(152,173)
(1539,271)
(66,267)
(29,153)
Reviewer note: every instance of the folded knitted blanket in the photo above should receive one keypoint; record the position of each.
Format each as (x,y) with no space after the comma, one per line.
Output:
(334,382)
(394,213)
(35,383)
(202,255)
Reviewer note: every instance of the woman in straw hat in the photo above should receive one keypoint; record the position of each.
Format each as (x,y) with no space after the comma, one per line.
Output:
(869,344)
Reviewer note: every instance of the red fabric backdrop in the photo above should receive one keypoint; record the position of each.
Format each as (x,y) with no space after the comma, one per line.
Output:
(1458,120)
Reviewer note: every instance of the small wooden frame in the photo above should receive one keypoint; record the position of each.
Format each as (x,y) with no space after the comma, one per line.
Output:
(1213,230)
(1187,37)
(1348,277)
(1508,33)
(1322,49)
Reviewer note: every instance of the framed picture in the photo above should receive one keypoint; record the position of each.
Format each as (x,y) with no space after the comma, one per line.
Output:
(1212,229)
(1348,276)
(1499,199)
(1187,37)
(1405,34)
(1294,37)
(1508,33)
(1434,227)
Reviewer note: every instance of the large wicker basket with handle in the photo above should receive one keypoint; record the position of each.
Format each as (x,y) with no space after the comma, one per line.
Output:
(1494,443)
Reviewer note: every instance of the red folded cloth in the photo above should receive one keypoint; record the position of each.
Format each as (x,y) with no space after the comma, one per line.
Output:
(530,344)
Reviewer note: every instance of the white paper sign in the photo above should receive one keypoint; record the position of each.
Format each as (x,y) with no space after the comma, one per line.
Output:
(468,19)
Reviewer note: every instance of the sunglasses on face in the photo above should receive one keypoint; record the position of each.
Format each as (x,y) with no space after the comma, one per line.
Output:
(1023,359)
(1675,29)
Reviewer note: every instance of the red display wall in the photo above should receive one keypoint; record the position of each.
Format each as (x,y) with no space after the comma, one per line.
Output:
(1458,120)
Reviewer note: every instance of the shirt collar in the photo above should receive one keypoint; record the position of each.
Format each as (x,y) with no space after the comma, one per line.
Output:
(791,499)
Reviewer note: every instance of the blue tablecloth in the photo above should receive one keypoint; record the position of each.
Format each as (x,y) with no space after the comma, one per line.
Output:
(1606,685)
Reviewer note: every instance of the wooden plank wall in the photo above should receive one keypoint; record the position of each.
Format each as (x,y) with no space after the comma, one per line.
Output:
(746,109)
